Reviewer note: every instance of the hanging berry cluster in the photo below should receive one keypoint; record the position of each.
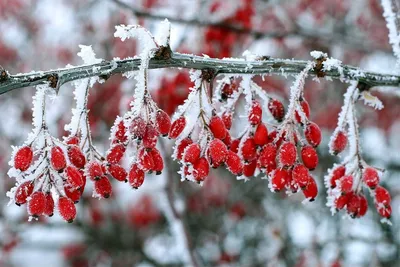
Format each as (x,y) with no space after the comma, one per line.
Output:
(346,181)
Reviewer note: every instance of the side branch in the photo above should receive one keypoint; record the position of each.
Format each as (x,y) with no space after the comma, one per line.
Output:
(283,67)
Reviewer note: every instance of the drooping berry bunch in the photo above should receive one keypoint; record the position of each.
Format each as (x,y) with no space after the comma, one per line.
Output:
(345,181)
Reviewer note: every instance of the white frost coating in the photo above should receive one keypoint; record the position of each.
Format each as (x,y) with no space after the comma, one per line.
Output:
(165,31)
(318,54)
(394,38)
(87,54)
(371,100)
(333,63)
(37,114)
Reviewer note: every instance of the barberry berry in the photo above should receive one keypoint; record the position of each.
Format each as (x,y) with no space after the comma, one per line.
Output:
(103,187)
(234,163)
(36,204)
(261,135)
(370,177)
(23,191)
(115,154)
(201,168)
(74,177)
(217,127)
(276,108)
(76,156)
(23,158)
(248,149)
(313,134)
(338,143)
(57,158)
(255,113)
(163,122)
(67,209)
(309,157)
(117,172)
(177,127)
(191,153)
(138,128)
(136,176)
(287,154)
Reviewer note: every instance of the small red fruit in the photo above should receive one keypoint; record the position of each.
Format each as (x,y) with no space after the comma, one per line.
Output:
(117,172)
(338,143)
(218,151)
(67,209)
(371,177)
(23,158)
(57,158)
(268,155)
(346,183)
(72,140)
(309,157)
(23,191)
(279,178)
(306,109)
(136,176)
(115,154)
(313,134)
(158,161)
(201,168)
(191,153)
(150,137)
(234,163)
(72,193)
(37,204)
(235,145)
(49,209)
(180,148)
(76,156)
(120,132)
(94,170)
(337,173)
(255,113)
(163,122)
(261,135)
(301,176)
(276,108)
(311,190)
(382,196)
(177,127)
(103,187)
(217,127)
(363,206)
(145,160)
(249,168)
(138,128)
(287,154)
(74,177)
(227,119)
(249,150)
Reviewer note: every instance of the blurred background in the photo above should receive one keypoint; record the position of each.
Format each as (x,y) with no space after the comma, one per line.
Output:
(228,222)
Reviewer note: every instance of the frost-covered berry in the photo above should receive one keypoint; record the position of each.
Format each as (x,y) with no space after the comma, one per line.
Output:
(337,173)
(163,122)
(234,163)
(313,134)
(201,168)
(74,177)
(301,176)
(255,113)
(117,172)
(371,177)
(191,153)
(177,127)
(338,143)
(279,178)
(115,154)
(249,168)
(49,208)
(363,206)
(249,149)
(23,158)
(103,187)
(382,196)
(94,170)
(384,211)
(57,158)
(227,90)
(37,204)
(180,147)
(76,156)
(353,205)
(67,209)
(158,161)
(72,193)
(305,108)
(268,155)
(23,191)
(346,183)
(309,157)
(136,176)
(276,108)
(145,160)
(287,154)
(261,135)
(120,133)
(138,127)
(150,137)
(217,127)
(311,190)
(227,119)
(235,145)
(72,140)
(342,200)
(218,151)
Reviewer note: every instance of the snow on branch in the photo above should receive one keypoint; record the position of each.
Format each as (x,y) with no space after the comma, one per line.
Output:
(390,15)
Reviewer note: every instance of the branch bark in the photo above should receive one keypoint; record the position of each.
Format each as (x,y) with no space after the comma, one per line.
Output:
(58,77)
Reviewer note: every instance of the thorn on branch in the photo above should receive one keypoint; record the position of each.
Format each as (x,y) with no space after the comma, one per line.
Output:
(319,65)
(362,86)
(3,74)
(54,81)
(163,53)
(208,74)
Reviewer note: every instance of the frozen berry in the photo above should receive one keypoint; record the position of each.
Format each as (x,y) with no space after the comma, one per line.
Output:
(313,134)
(268,155)
(117,172)
(163,122)
(234,163)
(76,156)
(177,127)
(217,127)
(57,158)
(94,170)
(115,154)
(287,154)
(37,204)
(309,157)
(250,168)
(191,153)
(248,149)
(346,183)
(49,209)
(305,107)
(180,147)
(74,177)
(23,158)
(201,168)
(218,151)
(276,108)
(158,161)
(338,143)
(370,177)
(103,187)
(279,178)
(145,160)
(255,113)
(301,176)
(67,209)
(150,137)
(311,190)
(23,191)
(337,173)
(261,135)
(227,119)
(136,176)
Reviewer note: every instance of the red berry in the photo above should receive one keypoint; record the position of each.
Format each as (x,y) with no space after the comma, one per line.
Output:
(248,149)
(268,155)
(218,152)
(227,140)
(382,196)
(227,119)
(235,145)
(305,108)
(158,161)
(115,154)
(49,208)
(276,108)
(217,127)
(192,153)
(342,200)
(72,140)
(339,143)
(57,158)
(261,135)
(103,187)
(74,177)
(227,90)
(145,160)
(353,205)
(313,134)
(346,183)
(177,127)
(201,168)
(363,206)
(301,176)
(72,193)
(234,163)
(120,132)
(136,176)
(180,147)
(371,177)
(287,154)
(150,137)
(311,190)
(23,158)
(23,191)
(309,157)
(94,170)
(384,211)
(279,178)
(249,168)
(163,122)
(255,113)
(138,128)
(117,172)
(76,156)
(337,173)
(67,209)
(37,204)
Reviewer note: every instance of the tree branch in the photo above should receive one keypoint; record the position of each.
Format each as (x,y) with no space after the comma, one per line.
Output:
(59,77)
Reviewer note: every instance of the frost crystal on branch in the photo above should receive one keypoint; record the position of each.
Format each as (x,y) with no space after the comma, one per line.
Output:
(394,37)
